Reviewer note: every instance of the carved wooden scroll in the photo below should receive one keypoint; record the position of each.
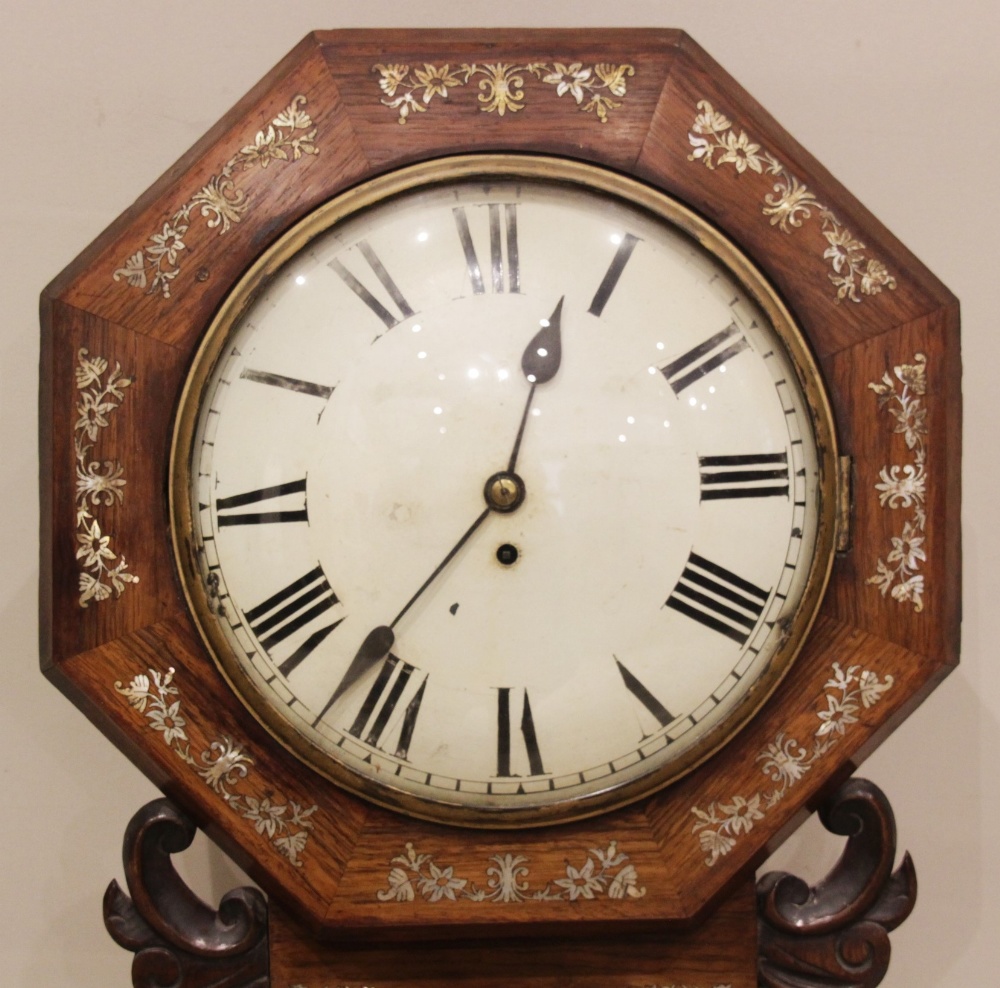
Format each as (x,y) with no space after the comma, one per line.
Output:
(835,934)
(177,939)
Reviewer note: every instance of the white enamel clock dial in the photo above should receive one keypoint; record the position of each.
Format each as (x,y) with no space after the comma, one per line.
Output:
(498,497)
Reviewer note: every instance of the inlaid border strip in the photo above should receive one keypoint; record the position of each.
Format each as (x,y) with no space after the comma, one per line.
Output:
(905,486)
(786,762)
(97,484)
(790,203)
(221,203)
(596,89)
(604,872)
(224,766)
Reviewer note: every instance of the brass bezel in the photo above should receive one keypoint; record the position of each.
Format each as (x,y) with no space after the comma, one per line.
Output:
(543,168)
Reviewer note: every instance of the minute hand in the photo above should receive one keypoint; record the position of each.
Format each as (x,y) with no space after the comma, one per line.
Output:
(539,362)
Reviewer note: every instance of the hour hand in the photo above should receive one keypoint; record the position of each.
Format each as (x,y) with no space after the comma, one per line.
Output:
(542,356)
(373,649)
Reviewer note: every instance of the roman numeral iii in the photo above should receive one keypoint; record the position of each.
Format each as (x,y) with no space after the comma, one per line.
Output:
(718,599)
(749,475)
(505,267)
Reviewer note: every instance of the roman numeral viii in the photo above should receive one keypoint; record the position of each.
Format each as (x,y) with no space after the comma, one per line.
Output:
(504,733)
(718,599)
(287,510)
(387,315)
(750,475)
(505,269)
(292,609)
(381,703)
(682,372)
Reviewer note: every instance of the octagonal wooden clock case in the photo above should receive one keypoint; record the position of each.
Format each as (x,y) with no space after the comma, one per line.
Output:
(496,483)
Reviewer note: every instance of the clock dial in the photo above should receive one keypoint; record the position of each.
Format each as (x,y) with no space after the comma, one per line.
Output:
(502,490)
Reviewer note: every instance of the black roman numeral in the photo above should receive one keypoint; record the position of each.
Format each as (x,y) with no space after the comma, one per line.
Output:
(505,271)
(504,733)
(718,599)
(382,700)
(290,610)
(704,358)
(378,268)
(749,475)
(292,384)
(226,513)
(632,684)
(614,272)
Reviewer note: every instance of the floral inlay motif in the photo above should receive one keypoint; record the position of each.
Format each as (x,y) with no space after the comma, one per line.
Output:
(596,89)
(224,766)
(905,486)
(785,762)
(604,872)
(97,484)
(790,203)
(221,203)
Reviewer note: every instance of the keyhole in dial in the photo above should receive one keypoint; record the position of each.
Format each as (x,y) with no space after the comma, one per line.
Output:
(507,554)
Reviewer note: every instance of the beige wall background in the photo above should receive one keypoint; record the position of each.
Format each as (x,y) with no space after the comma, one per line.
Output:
(898,98)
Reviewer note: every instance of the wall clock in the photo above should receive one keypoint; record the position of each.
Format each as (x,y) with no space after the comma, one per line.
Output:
(498,484)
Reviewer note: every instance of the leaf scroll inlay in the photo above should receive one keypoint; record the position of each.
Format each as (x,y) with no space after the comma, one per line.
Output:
(596,89)
(785,762)
(790,203)
(905,486)
(224,766)
(220,202)
(604,872)
(98,484)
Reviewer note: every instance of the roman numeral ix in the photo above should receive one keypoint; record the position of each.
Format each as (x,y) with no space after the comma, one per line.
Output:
(227,514)
(718,599)
(749,475)
(292,384)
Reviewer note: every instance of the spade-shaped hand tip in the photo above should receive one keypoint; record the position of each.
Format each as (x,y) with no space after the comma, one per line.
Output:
(542,355)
